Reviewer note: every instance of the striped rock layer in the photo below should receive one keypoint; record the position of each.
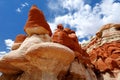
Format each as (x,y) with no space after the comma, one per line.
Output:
(104,51)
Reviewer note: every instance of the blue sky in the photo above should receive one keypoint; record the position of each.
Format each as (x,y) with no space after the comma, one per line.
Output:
(83,16)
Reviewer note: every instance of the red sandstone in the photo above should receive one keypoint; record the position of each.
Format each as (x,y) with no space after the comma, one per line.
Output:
(36,19)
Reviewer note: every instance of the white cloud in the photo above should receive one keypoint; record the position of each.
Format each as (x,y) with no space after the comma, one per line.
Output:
(85,18)
(53,26)
(9,43)
(18,10)
(26,4)
(71,5)
(23,5)
(2,52)
(53,6)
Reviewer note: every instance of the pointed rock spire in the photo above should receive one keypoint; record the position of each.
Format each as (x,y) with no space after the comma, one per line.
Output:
(36,23)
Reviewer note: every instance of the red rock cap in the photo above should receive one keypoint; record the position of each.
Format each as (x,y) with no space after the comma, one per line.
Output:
(18,41)
(66,37)
(20,38)
(36,23)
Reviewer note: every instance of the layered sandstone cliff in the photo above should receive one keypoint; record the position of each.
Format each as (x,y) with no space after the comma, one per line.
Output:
(104,51)
(40,56)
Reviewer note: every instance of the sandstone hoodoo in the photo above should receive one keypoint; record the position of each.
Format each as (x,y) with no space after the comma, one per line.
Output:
(27,63)
(18,41)
(39,55)
(104,51)
(80,67)
(68,38)
(36,23)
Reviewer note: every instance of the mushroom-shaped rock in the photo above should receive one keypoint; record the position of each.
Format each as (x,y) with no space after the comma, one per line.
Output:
(18,41)
(36,23)
(50,58)
(17,62)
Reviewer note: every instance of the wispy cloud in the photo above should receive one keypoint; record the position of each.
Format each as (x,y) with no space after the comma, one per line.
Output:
(18,10)
(22,6)
(9,43)
(85,18)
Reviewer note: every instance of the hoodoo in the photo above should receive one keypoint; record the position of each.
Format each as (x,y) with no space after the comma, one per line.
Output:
(39,55)
(36,23)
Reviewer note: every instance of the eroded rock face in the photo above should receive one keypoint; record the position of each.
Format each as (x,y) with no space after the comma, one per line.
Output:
(68,38)
(80,67)
(104,51)
(38,57)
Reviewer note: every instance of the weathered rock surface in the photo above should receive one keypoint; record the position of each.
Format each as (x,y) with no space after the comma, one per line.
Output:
(68,38)
(37,56)
(80,67)
(104,51)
